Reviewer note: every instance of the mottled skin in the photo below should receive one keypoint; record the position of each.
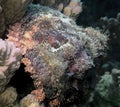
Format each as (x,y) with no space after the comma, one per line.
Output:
(54,48)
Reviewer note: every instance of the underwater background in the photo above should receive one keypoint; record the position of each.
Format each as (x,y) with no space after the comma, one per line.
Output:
(60,53)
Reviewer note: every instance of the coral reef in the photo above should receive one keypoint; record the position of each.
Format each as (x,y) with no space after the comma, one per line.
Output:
(71,8)
(58,54)
(107,91)
(8,97)
(55,49)
(29,101)
(112,26)
(11,11)
(9,62)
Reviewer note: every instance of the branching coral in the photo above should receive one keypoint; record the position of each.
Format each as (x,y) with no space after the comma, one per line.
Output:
(9,61)
(54,48)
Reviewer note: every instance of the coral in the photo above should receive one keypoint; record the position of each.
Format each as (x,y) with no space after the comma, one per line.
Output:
(112,26)
(116,76)
(8,97)
(73,9)
(11,12)
(70,8)
(94,47)
(107,91)
(14,10)
(54,48)
(2,23)
(9,62)
(0,9)
(39,93)
(104,84)
(29,101)
(54,103)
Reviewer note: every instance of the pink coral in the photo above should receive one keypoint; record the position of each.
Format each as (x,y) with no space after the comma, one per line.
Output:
(73,9)
(9,61)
